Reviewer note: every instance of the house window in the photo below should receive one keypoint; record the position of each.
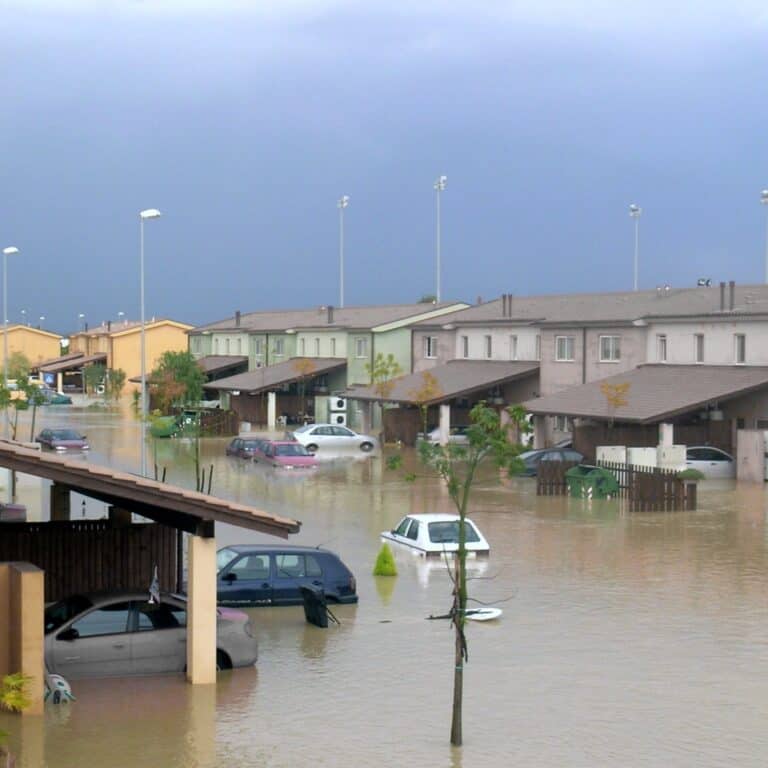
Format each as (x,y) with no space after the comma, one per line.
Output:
(610,349)
(302,347)
(317,347)
(279,347)
(430,346)
(513,347)
(563,424)
(564,348)
(361,346)
(661,347)
(215,345)
(465,346)
(333,346)
(226,346)
(740,341)
(257,348)
(239,346)
(488,342)
(537,350)
(698,347)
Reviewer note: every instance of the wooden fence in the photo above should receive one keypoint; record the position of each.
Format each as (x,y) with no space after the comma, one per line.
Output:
(645,489)
(92,555)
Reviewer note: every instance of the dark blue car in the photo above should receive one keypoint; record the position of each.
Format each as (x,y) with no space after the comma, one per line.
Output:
(273,575)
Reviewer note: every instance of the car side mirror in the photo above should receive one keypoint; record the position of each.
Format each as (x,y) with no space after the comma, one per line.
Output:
(68,634)
(230,577)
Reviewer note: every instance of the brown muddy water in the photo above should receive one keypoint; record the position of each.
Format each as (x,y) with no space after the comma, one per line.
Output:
(626,639)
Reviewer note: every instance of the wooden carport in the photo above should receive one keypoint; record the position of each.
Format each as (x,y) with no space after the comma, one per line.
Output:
(178,508)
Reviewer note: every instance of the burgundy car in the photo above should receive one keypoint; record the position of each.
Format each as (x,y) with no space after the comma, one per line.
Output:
(246,447)
(62,440)
(288,455)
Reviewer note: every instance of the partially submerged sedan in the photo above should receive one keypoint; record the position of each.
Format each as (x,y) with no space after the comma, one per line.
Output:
(435,534)
(62,440)
(119,634)
(286,455)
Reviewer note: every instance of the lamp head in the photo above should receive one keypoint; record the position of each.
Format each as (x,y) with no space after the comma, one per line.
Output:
(764,197)
(441,183)
(10,250)
(635,211)
(150,213)
(343,201)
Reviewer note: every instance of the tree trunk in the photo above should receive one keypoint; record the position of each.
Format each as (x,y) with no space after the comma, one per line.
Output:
(459,604)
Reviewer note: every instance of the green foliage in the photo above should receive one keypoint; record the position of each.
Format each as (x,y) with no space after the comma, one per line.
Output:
(428,298)
(13,692)
(115,383)
(382,372)
(93,375)
(690,474)
(385,562)
(178,380)
(18,366)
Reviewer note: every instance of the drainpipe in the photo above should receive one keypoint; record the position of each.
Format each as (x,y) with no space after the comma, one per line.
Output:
(584,355)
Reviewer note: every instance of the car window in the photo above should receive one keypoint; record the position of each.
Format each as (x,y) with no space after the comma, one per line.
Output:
(290,566)
(447,532)
(251,567)
(160,616)
(551,456)
(313,566)
(572,456)
(403,526)
(413,531)
(61,612)
(224,557)
(107,620)
(341,432)
(707,454)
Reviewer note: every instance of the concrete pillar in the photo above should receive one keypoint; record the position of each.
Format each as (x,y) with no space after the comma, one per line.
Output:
(666,434)
(201,611)
(271,410)
(60,502)
(60,383)
(22,604)
(445,423)
(539,431)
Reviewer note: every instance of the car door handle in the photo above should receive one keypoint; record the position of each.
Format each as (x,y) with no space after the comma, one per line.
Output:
(182,640)
(317,583)
(71,658)
(265,585)
(120,646)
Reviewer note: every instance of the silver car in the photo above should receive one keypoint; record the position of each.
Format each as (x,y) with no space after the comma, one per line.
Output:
(330,437)
(118,634)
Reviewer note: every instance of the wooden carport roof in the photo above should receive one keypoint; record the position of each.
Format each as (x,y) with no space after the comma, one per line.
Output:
(168,504)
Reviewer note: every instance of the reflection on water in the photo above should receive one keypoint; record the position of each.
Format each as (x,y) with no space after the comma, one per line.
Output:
(632,640)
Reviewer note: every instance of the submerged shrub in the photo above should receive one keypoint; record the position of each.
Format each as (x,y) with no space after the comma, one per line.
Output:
(385,562)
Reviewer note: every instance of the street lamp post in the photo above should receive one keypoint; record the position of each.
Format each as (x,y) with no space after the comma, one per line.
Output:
(439,185)
(342,203)
(635,211)
(149,213)
(80,322)
(10,251)
(764,201)
(23,316)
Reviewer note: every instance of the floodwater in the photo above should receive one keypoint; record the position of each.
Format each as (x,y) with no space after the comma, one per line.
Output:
(626,639)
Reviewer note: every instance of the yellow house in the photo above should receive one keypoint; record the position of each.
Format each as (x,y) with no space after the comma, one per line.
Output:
(36,344)
(121,343)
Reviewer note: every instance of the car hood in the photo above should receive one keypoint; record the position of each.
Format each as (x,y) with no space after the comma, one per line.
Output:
(295,461)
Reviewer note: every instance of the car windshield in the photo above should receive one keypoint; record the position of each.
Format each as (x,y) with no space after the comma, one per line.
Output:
(290,450)
(447,532)
(305,428)
(60,613)
(224,557)
(250,445)
(65,434)
(528,455)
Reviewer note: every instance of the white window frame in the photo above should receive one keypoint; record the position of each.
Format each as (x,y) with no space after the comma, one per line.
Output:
(698,348)
(258,350)
(537,349)
(488,346)
(430,347)
(562,423)
(661,347)
(740,354)
(333,346)
(614,350)
(215,345)
(279,347)
(465,346)
(317,346)
(568,352)
(361,347)
(226,346)
(239,346)
(513,347)
(302,347)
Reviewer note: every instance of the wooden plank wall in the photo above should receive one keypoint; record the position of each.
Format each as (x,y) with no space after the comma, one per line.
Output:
(92,555)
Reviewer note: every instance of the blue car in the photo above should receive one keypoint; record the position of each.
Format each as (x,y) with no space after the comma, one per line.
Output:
(252,575)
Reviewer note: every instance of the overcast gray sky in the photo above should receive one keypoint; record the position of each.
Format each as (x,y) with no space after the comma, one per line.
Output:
(245,121)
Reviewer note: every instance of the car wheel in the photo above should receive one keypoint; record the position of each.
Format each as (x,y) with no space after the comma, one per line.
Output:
(222,661)
(366,447)
(312,448)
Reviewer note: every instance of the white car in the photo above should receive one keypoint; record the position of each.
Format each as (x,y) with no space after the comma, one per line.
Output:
(456,435)
(434,534)
(330,437)
(711,462)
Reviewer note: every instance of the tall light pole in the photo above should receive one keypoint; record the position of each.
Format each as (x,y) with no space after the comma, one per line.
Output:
(439,185)
(10,251)
(23,316)
(80,321)
(764,201)
(149,213)
(342,203)
(635,211)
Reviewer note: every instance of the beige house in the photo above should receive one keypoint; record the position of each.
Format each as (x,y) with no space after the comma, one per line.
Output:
(34,343)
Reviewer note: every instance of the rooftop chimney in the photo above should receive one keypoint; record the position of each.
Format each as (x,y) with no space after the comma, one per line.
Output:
(731,294)
(330,314)
(479,299)
(503,304)
(722,296)
(237,318)
(109,326)
(509,305)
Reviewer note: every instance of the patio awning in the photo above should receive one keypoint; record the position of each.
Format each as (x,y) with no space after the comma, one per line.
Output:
(274,376)
(454,379)
(71,363)
(218,363)
(652,393)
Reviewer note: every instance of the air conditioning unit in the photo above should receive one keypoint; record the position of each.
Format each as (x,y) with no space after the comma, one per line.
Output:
(337,403)
(338,419)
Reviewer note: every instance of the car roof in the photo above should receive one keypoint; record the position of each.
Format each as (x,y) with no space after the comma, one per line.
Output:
(121,594)
(708,447)
(435,517)
(241,548)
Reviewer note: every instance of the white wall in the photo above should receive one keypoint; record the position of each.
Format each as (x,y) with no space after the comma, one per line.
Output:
(500,342)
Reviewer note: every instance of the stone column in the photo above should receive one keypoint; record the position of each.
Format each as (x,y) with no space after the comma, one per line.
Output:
(201,611)
(666,434)
(271,410)
(445,423)
(539,431)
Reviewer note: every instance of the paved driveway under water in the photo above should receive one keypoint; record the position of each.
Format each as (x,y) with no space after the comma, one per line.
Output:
(626,640)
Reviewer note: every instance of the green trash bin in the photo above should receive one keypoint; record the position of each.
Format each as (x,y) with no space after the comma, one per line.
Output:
(588,482)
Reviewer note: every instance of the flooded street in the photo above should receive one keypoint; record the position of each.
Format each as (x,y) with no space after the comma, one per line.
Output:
(626,640)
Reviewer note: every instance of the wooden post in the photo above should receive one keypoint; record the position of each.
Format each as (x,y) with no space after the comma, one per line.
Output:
(201,611)
(60,502)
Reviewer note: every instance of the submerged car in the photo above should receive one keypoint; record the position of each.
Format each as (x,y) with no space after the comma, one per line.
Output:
(711,462)
(532,459)
(330,437)
(434,534)
(120,634)
(62,440)
(52,397)
(246,447)
(269,575)
(287,455)
(456,435)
